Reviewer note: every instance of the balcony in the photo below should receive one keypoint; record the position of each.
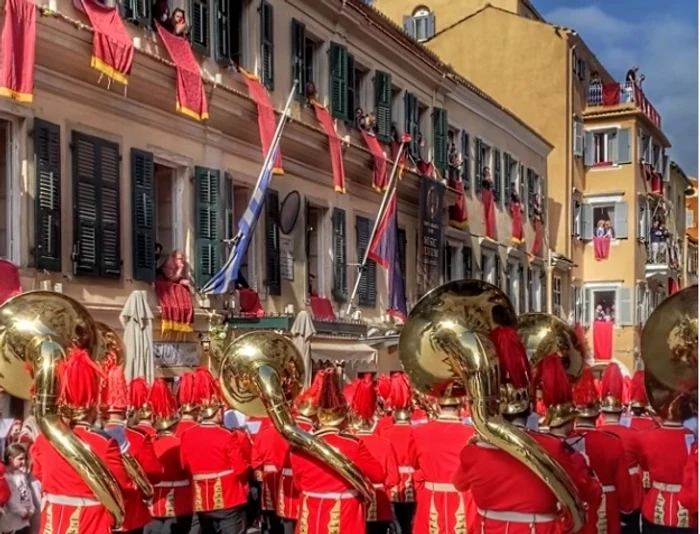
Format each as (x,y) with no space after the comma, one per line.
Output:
(663,258)
(627,95)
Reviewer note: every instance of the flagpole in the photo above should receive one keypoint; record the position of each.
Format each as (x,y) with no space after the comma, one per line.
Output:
(391,187)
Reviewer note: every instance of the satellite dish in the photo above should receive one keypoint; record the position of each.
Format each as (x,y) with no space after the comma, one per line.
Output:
(289,213)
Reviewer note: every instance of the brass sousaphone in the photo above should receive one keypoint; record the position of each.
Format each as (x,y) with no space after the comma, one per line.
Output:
(36,328)
(445,346)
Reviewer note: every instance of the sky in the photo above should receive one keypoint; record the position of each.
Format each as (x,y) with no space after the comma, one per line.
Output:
(660,37)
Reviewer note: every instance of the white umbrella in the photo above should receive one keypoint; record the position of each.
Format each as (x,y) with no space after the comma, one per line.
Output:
(302,330)
(137,320)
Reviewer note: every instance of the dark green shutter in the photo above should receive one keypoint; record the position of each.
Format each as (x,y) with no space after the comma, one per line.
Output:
(267,45)
(143,216)
(530,192)
(507,177)
(273,278)
(478,166)
(522,289)
(207,213)
(521,194)
(497,175)
(199,25)
(466,162)
(401,236)
(47,195)
(339,81)
(110,210)
(497,263)
(382,99)
(340,263)
(411,127)
(440,139)
(223,30)
(298,57)
(367,292)
(353,97)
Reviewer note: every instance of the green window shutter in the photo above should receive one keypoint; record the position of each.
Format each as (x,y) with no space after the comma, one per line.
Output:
(207,209)
(353,98)
(273,272)
(47,195)
(530,192)
(467,262)
(110,210)
(367,292)
(497,174)
(143,216)
(411,127)
(199,25)
(223,30)
(382,99)
(340,263)
(466,162)
(440,139)
(298,57)
(401,236)
(507,177)
(339,81)
(267,45)
(478,166)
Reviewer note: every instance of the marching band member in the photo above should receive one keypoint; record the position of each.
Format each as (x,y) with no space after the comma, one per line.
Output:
(384,390)
(189,406)
(688,496)
(364,406)
(219,472)
(70,505)
(400,434)
(328,503)
(605,454)
(612,392)
(267,461)
(172,496)
(140,407)
(640,420)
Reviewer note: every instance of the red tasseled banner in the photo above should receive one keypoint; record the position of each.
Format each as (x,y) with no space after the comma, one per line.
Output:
(138,393)
(384,386)
(117,389)
(555,383)
(18,45)
(511,356)
(267,122)
(585,392)
(185,390)
(458,211)
(349,390)
(380,177)
(517,230)
(162,399)
(537,243)
(489,213)
(330,396)
(601,248)
(612,383)
(638,392)
(336,149)
(400,393)
(364,401)
(80,380)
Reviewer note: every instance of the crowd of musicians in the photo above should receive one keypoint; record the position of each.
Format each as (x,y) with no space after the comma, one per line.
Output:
(430,471)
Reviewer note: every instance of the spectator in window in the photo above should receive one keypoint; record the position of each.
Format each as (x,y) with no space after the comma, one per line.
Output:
(599,314)
(487,181)
(175,269)
(658,237)
(453,160)
(179,24)
(600,228)
(161,15)
(609,231)
(632,75)
(310,92)
(537,207)
(595,78)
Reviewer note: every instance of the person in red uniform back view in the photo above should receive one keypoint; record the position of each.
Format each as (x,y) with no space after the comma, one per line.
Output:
(688,496)
(142,413)
(70,506)
(612,405)
(640,418)
(268,461)
(400,434)
(383,390)
(189,404)
(328,502)
(172,496)
(364,408)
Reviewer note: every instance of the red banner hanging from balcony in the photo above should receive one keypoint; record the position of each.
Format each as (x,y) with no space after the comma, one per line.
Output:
(177,312)
(267,123)
(18,50)
(611,94)
(602,339)
(601,247)
(402,162)
(517,230)
(324,117)
(190,97)
(489,214)
(537,243)
(380,179)
(112,49)
(458,210)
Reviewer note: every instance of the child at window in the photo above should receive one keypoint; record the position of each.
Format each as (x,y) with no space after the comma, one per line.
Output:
(20,508)
(609,232)
(487,181)
(600,228)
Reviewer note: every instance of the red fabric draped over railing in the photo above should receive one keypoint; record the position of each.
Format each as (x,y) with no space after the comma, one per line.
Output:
(458,211)
(603,339)
(489,213)
(517,230)
(336,149)
(601,246)
(380,178)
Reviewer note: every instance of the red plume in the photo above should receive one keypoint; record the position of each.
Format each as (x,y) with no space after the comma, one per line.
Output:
(330,397)
(400,397)
(185,390)
(612,383)
(626,385)
(117,390)
(162,400)
(80,380)
(364,401)
(138,393)
(511,356)
(554,381)
(350,389)
(585,393)
(310,395)
(383,386)
(638,391)
(206,389)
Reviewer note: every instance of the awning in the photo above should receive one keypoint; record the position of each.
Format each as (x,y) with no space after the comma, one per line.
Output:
(350,352)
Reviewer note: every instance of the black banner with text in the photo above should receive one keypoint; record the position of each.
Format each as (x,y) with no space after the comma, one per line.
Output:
(432,195)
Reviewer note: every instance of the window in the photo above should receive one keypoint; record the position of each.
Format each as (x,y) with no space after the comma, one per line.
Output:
(557,299)
(339,81)
(605,218)
(513,284)
(267,46)
(382,105)
(643,223)
(531,290)
(604,306)
(454,159)
(522,289)
(607,147)
(440,148)
(138,11)
(356,84)
(340,261)
(420,25)
(689,218)
(482,171)
(229,30)
(497,163)
(449,257)
(577,215)
(466,161)
(412,124)
(508,186)
(467,267)
(488,267)
(521,185)
(692,259)
(581,69)
(642,305)
(96,201)
(577,302)
(315,247)
(303,57)
(645,148)
(273,268)
(543,291)
(367,293)
(47,194)
(533,187)
(578,138)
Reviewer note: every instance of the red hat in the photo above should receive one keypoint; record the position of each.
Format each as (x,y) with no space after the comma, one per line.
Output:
(186,397)
(332,407)
(638,391)
(612,388)
(164,404)
(207,392)
(138,398)
(80,383)
(364,402)
(383,386)
(400,397)
(306,402)
(349,390)
(514,370)
(556,391)
(117,400)
(586,396)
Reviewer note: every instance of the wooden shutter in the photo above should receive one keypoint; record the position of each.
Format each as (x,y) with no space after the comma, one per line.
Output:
(353,99)
(207,185)
(497,174)
(47,195)
(411,128)
(478,166)
(340,262)
(621,221)
(467,262)
(623,152)
(578,138)
(507,177)
(339,81)
(128,9)
(273,278)
(223,29)
(298,57)
(267,46)
(587,222)
(531,192)
(440,139)
(143,232)
(521,185)
(382,99)
(588,150)
(543,291)
(401,236)
(430,25)
(497,270)
(466,161)
(666,168)
(522,289)
(624,315)
(199,20)
(367,293)
(409,25)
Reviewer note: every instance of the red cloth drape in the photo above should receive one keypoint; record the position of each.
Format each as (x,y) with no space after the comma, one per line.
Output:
(611,94)
(10,284)
(489,213)
(249,303)
(18,49)
(458,211)
(517,230)
(321,309)
(601,246)
(537,243)
(189,89)
(267,123)
(672,286)
(380,178)
(324,117)
(176,310)
(602,340)
(112,49)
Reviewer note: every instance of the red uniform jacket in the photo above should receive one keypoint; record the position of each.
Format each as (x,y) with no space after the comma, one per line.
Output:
(666,450)
(383,451)
(419,417)
(688,497)
(606,457)
(184,426)
(269,448)
(328,503)
(4,488)
(642,423)
(172,496)
(146,429)
(440,507)
(218,462)
(288,497)
(384,422)
(71,506)
(632,445)
(401,437)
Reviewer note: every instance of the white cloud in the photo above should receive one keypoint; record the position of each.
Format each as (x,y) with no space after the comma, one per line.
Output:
(666,50)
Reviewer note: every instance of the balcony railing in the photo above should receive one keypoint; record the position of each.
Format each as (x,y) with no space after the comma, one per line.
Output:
(614,94)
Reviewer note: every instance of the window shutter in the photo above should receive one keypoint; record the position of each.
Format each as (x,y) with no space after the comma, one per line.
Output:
(578,138)
(401,236)
(622,154)
(430,26)
(199,18)
(367,293)
(298,62)
(478,166)
(207,186)
(497,269)
(411,114)
(642,228)
(588,150)
(482,267)
(587,222)
(466,161)
(228,226)
(623,309)
(621,222)
(543,291)
(440,139)
(110,212)
(273,278)
(339,81)
(353,99)
(267,45)
(507,178)
(497,175)
(340,263)
(47,195)
(223,30)
(467,262)
(409,25)
(382,99)
(666,168)
(522,289)
(143,216)
(531,192)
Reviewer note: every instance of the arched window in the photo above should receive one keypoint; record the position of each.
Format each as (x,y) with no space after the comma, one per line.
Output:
(420,24)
